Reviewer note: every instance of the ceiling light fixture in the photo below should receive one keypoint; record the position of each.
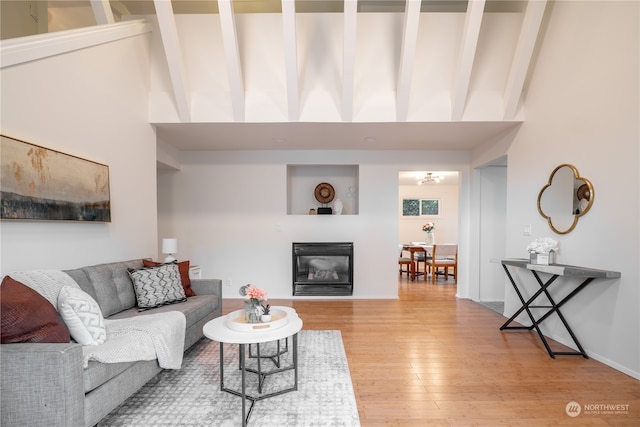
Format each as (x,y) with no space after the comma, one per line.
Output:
(430,177)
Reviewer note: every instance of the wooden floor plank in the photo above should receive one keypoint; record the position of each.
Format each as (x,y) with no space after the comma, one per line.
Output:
(431,359)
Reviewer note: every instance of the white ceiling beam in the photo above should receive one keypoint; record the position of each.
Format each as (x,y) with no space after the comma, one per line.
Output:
(232,55)
(407,56)
(175,61)
(472,23)
(349,57)
(529,31)
(102,12)
(291,57)
(119,8)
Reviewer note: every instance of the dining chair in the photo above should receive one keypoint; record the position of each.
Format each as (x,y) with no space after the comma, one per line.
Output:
(402,260)
(422,257)
(444,256)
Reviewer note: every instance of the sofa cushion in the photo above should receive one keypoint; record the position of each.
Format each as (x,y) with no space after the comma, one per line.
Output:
(47,283)
(194,309)
(27,317)
(82,316)
(157,286)
(183,267)
(109,284)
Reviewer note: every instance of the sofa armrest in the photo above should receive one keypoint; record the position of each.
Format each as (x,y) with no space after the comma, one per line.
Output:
(41,384)
(207,287)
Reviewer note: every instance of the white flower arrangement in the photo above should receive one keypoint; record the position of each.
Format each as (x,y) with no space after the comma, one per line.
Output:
(543,245)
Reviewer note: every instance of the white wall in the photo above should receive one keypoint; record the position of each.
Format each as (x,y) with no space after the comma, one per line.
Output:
(493,210)
(583,109)
(226,209)
(446,224)
(91,103)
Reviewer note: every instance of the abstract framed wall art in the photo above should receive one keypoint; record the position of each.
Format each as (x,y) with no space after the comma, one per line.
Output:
(37,183)
(410,207)
(430,207)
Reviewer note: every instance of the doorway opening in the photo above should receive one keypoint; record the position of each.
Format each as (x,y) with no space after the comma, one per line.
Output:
(492,187)
(428,196)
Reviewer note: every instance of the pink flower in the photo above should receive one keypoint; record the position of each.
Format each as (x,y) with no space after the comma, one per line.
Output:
(428,227)
(253,292)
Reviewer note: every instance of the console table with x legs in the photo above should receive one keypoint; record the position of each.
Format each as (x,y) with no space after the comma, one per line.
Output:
(555,270)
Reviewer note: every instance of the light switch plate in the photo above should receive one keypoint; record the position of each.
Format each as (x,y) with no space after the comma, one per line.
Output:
(527,230)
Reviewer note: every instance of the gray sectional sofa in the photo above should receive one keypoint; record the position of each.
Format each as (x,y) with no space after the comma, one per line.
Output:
(47,385)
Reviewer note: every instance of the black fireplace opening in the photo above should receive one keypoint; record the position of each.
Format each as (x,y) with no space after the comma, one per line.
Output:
(323,268)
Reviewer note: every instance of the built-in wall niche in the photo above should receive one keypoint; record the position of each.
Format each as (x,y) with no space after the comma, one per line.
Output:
(302,181)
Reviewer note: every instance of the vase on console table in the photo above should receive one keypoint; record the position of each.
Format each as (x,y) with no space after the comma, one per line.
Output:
(430,238)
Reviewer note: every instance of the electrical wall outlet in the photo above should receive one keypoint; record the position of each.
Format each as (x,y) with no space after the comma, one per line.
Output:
(527,230)
(227,283)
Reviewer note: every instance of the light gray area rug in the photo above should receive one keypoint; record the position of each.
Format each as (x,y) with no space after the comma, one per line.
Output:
(191,396)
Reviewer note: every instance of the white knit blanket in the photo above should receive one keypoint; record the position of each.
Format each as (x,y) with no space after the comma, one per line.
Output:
(47,283)
(146,337)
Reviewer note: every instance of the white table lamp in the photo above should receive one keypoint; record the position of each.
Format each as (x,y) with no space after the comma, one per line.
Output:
(169,246)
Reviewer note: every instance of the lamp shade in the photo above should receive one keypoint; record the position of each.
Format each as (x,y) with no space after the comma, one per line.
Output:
(169,246)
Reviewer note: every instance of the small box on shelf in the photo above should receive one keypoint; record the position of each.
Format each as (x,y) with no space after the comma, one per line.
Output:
(546,258)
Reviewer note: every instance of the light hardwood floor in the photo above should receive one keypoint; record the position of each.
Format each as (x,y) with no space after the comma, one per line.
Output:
(430,359)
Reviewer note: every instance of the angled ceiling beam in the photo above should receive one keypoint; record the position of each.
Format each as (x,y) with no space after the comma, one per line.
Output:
(349,57)
(119,8)
(232,55)
(175,62)
(102,12)
(529,31)
(472,22)
(407,56)
(291,57)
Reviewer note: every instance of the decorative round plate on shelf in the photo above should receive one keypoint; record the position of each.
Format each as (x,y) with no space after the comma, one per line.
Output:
(324,192)
(583,192)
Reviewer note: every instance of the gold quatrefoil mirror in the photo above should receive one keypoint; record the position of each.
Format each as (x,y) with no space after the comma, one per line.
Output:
(566,197)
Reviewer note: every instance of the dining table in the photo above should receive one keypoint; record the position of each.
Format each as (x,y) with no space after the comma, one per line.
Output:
(412,248)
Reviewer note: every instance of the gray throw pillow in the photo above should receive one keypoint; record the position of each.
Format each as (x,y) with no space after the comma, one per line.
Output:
(157,286)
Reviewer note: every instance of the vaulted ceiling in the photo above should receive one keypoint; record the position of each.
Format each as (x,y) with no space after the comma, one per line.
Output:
(431,74)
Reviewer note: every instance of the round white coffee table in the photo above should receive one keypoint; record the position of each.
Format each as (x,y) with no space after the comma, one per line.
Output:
(218,330)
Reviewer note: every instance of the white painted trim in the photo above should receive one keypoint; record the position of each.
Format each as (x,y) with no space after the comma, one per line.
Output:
(473,20)
(30,48)
(234,66)
(522,58)
(175,62)
(349,57)
(291,57)
(407,56)
(102,12)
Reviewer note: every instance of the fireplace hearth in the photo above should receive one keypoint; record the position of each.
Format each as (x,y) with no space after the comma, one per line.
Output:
(323,268)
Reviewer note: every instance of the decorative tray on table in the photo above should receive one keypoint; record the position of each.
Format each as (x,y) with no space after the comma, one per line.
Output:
(236,321)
